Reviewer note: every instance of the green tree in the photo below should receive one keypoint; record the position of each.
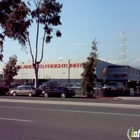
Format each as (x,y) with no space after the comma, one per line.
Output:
(10,70)
(89,73)
(16,18)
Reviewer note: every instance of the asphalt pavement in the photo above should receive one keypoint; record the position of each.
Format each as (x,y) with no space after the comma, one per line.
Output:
(33,121)
(78,118)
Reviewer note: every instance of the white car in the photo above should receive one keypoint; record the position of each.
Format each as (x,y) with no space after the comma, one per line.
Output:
(26,90)
(77,86)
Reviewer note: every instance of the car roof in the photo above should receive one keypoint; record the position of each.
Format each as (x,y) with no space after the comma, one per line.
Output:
(61,87)
(25,86)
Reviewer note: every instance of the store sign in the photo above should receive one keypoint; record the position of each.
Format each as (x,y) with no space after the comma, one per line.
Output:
(105,72)
(42,66)
(119,75)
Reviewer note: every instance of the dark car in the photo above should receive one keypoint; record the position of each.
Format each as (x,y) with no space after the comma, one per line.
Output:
(77,86)
(4,90)
(58,92)
(49,84)
(14,85)
(26,90)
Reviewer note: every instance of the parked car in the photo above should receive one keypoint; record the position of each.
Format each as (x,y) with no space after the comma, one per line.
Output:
(28,84)
(26,90)
(113,86)
(97,86)
(58,92)
(77,86)
(4,90)
(67,85)
(135,92)
(14,85)
(48,85)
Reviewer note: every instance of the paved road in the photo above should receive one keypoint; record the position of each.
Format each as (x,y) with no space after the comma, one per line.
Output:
(32,121)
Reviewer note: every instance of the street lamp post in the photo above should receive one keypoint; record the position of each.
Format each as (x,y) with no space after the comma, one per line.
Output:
(22,69)
(69,71)
(4,65)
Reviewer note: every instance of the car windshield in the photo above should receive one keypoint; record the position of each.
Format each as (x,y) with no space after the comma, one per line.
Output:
(33,88)
(111,84)
(64,88)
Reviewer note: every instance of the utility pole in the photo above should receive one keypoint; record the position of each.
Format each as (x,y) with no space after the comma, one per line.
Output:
(69,71)
(22,69)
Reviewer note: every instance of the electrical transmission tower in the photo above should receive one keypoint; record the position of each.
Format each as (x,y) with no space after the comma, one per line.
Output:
(123,55)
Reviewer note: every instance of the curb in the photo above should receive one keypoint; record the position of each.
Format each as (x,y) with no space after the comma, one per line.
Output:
(116,98)
(95,97)
(128,98)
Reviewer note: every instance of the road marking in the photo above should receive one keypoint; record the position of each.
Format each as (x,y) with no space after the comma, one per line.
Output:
(18,120)
(130,106)
(73,111)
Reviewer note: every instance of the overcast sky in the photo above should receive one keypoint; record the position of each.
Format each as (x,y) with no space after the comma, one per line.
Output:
(84,20)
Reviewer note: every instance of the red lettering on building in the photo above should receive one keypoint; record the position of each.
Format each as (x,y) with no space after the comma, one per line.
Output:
(70,66)
(30,66)
(80,64)
(19,67)
(50,65)
(55,66)
(64,65)
(42,66)
(25,67)
(76,65)
(58,66)
(46,66)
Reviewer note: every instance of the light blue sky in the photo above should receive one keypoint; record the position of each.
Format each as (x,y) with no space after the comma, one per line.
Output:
(84,20)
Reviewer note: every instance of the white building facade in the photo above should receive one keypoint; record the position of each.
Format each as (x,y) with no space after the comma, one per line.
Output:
(50,70)
(56,70)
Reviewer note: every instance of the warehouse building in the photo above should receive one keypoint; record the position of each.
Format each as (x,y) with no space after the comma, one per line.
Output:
(70,71)
(62,71)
